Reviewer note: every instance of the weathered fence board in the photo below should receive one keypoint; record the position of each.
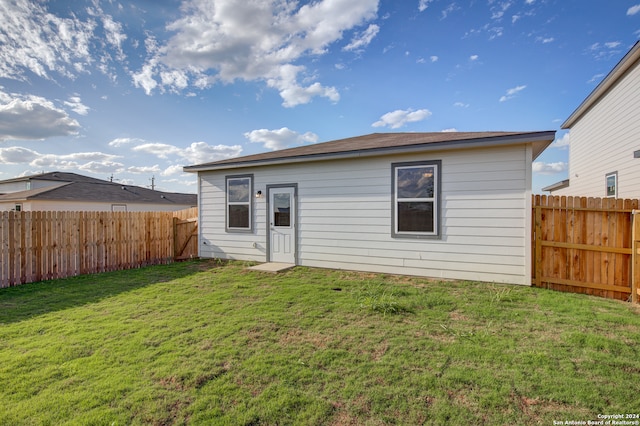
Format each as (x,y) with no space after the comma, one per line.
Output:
(38,246)
(586,245)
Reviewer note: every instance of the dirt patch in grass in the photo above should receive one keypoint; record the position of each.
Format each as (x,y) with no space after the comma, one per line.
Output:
(297,336)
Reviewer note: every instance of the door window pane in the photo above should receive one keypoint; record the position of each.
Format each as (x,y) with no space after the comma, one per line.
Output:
(612,184)
(282,209)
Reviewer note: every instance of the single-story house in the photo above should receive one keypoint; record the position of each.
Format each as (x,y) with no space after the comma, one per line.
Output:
(604,150)
(446,205)
(59,191)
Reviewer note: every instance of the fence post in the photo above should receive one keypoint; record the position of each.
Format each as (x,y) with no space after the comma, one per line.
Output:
(634,256)
(538,246)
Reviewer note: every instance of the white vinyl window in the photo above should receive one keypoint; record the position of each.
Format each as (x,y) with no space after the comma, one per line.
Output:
(416,199)
(239,190)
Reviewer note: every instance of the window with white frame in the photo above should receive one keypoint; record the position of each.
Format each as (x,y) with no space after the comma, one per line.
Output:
(416,204)
(239,190)
(611,181)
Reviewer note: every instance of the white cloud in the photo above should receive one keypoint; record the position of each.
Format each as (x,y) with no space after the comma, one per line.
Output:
(423,5)
(549,168)
(34,118)
(144,79)
(87,161)
(202,152)
(118,142)
(398,118)
(604,51)
(633,10)
(114,35)
(17,155)
(196,153)
(76,105)
(102,167)
(280,138)
(39,42)
(511,93)
(448,10)
(139,170)
(562,143)
(461,105)
(363,39)
(499,8)
(450,130)
(595,78)
(473,57)
(434,58)
(226,40)
(176,169)
(160,150)
(294,94)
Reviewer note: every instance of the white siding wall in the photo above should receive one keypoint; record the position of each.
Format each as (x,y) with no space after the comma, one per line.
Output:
(344,216)
(604,140)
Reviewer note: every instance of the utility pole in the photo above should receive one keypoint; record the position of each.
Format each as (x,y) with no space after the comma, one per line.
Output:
(153,183)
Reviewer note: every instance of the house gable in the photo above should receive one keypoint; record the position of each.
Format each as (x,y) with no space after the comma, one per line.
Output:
(604,136)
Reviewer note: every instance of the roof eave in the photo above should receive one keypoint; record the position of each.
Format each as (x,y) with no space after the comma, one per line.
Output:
(626,63)
(556,186)
(542,140)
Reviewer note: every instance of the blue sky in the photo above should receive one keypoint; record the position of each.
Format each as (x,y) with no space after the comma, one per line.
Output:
(138,89)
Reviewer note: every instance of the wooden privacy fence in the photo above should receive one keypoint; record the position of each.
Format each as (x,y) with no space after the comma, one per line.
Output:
(44,245)
(586,245)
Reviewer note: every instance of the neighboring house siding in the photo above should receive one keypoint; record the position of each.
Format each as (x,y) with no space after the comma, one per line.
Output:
(8,187)
(344,216)
(604,140)
(36,205)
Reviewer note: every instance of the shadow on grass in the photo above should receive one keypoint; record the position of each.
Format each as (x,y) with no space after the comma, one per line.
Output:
(30,300)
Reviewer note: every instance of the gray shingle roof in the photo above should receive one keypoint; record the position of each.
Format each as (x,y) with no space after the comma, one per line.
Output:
(381,143)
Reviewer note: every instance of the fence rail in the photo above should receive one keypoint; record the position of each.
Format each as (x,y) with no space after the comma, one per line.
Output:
(44,245)
(586,245)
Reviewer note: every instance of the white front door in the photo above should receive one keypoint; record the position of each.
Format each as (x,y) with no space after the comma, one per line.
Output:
(282,225)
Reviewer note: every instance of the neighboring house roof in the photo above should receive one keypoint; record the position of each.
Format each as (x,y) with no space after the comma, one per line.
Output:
(630,60)
(556,186)
(54,177)
(73,187)
(382,143)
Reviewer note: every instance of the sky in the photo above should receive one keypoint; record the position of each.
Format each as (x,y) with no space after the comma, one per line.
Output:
(132,91)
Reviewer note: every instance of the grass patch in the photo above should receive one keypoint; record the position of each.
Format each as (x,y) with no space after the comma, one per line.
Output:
(208,343)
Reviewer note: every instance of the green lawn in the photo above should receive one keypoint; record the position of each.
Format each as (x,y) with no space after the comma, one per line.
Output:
(205,342)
